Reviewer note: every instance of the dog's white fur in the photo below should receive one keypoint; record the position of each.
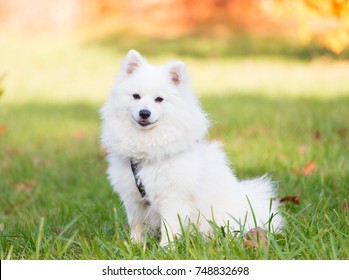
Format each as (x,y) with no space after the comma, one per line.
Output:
(186,179)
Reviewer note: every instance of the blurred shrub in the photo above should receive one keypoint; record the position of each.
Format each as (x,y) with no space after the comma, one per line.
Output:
(201,45)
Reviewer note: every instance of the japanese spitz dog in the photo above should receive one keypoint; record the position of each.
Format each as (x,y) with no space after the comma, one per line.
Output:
(165,172)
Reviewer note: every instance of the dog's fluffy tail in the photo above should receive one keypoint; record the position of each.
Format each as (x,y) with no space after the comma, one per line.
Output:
(262,204)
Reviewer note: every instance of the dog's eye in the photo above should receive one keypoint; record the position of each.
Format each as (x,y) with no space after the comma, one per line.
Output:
(158,99)
(136,96)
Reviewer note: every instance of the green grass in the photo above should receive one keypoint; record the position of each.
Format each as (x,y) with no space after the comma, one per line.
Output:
(56,202)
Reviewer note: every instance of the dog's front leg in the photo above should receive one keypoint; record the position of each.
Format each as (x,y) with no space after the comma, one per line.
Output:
(137,231)
(136,218)
(173,221)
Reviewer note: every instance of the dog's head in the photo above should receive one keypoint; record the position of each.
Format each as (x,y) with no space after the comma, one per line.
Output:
(149,91)
(154,102)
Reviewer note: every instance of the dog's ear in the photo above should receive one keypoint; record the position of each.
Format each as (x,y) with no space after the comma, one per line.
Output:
(132,62)
(178,73)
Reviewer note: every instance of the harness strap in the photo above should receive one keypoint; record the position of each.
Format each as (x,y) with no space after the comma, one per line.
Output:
(135,169)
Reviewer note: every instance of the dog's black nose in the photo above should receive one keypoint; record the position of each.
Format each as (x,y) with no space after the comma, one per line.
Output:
(144,114)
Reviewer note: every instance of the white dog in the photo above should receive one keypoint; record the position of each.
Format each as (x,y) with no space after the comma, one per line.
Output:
(167,175)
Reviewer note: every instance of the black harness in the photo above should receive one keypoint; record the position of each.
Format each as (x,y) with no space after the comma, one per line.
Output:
(135,167)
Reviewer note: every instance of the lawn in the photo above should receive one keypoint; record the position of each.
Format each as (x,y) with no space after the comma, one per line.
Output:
(287,118)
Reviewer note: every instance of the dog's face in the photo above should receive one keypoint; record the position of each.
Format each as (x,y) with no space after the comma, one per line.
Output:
(147,95)
(152,110)
(147,103)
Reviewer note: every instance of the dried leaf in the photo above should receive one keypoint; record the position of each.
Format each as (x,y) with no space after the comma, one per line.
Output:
(342,132)
(2,226)
(316,134)
(26,186)
(293,199)
(23,187)
(346,207)
(309,168)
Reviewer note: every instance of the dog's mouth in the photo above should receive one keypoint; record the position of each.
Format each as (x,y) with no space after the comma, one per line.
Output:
(144,122)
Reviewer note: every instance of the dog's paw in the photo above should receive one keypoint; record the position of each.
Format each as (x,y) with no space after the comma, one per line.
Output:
(137,237)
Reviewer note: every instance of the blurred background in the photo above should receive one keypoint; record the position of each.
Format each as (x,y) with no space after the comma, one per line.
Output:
(67,49)
(302,22)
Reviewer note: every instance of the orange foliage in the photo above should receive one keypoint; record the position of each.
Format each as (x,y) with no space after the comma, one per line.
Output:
(325,21)
(336,12)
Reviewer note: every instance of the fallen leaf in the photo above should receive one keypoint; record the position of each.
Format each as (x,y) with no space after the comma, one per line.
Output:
(316,134)
(2,226)
(309,168)
(293,199)
(256,237)
(26,186)
(3,129)
(23,187)
(342,132)
(346,207)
